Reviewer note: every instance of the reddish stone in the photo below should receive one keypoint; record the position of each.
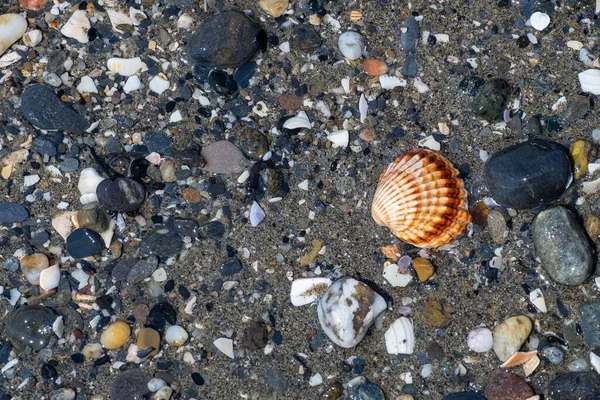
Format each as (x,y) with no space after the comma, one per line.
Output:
(290,102)
(35,5)
(503,385)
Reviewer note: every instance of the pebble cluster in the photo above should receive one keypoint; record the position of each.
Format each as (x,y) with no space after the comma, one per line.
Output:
(186,195)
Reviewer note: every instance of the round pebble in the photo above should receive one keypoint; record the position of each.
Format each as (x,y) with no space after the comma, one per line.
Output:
(30,326)
(351,45)
(480,340)
(148,338)
(115,335)
(176,335)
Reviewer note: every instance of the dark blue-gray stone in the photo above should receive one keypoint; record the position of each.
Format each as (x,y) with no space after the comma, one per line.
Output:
(464,396)
(44,109)
(409,34)
(121,194)
(276,379)
(528,174)
(158,142)
(561,244)
(30,326)
(410,67)
(41,238)
(230,267)
(43,146)
(235,43)
(83,243)
(361,389)
(69,165)
(12,212)
(163,243)
(590,321)
(244,73)
(142,269)
(491,99)
(186,227)
(575,386)
(121,270)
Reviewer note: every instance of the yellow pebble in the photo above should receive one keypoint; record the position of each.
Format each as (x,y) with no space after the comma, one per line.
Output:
(149,337)
(115,335)
(424,268)
(592,226)
(579,152)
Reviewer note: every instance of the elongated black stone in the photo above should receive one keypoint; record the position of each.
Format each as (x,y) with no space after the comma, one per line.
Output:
(83,243)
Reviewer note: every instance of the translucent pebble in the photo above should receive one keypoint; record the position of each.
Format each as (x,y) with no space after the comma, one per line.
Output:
(176,335)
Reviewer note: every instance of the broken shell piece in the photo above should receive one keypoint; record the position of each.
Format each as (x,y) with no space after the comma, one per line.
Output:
(257,214)
(32,38)
(12,28)
(590,81)
(50,277)
(536,297)
(77,27)
(89,179)
(225,346)
(530,365)
(339,138)
(58,326)
(136,16)
(185,21)
(391,82)
(32,267)
(133,83)
(62,223)
(400,337)
(118,20)
(9,59)
(299,121)
(307,290)
(363,107)
(395,277)
(87,85)
(158,84)
(595,361)
(518,358)
(125,66)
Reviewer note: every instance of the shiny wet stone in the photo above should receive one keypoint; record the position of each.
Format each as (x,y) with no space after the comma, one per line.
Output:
(83,243)
(121,194)
(361,389)
(529,174)
(12,212)
(253,143)
(491,99)
(230,267)
(30,326)
(222,82)
(185,227)
(163,243)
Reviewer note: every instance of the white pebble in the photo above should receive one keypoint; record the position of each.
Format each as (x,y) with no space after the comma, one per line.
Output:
(156,384)
(12,28)
(480,340)
(427,371)
(50,277)
(395,277)
(351,45)
(176,335)
(133,83)
(590,81)
(315,380)
(125,66)
(306,290)
(339,138)
(158,85)
(539,20)
(225,346)
(87,85)
(32,38)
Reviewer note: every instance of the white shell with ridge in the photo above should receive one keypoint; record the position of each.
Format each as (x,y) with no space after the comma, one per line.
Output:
(400,337)
(12,28)
(77,27)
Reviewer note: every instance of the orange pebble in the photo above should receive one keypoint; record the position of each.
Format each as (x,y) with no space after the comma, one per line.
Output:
(375,67)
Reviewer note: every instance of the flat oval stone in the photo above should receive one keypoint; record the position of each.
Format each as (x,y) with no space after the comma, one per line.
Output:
(44,109)
(12,212)
(490,100)
(235,44)
(230,267)
(528,174)
(82,243)
(163,243)
(121,195)
(510,335)
(575,386)
(142,270)
(223,157)
(30,326)
(562,246)
(590,321)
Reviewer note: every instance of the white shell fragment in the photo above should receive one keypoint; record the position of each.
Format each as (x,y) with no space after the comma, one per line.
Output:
(363,107)
(400,337)
(87,85)
(9,59)
(32,38)
(58,326)
(132,84)
(257,214)
(12,28)
(125,66)
(299,121)
(89,179)
(590,81)
(118,20)
(536,297)
(347,309)
(158,84)
(539,20)
(306,290)
(480,340)
(595,361)
(50,277)
(395,277)
(77,27)
(339,138)
(351,44)
(225,346)
(391,82)
(136,16)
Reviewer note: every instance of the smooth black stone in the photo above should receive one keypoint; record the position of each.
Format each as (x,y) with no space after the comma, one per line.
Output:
(590,320)
(464,396)
(222,82)
(575,386)
(142,270)
(83,243)
(159,315)
(235,43)
(158,142)
(12,212)
(30,326)
(244,73)
(121,195)
(305,38)
(186,227)
(190,157)
(163,243)
(411,66)
(490,100)
(44,109)
(128,385)
(230,267)
(528,174)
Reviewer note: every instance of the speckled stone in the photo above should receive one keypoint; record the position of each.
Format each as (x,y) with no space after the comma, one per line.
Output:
(590,321)
(12,212)
(223,157)
(491,99)
(163,243)
(503,385)
(121,194)
(142,270)
(130,385)
(575,386)
(253,143)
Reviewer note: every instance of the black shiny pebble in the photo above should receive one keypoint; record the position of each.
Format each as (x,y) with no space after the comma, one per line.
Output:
(30,326)
(230,267)
(222,82)
(12,212)
(159,315)
(121,194)
(244,73)
(185,227)
(528,174)
(83,243)
(163,243)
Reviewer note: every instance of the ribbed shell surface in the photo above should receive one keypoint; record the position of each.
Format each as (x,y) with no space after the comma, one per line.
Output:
(420,198)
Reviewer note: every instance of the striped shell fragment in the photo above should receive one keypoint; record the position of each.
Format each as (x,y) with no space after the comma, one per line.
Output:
(421,199)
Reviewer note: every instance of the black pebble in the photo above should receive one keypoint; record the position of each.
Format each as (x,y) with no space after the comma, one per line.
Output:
(83,243)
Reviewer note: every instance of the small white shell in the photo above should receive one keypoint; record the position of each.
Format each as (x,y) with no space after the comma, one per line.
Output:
(58,326)
(363,107)
(590,81)
(117,19)
(158,85)
(391,82)
(125,66)
(133,83)
(400,337)
(299,121)
(9,59)
(50,277)
(539,20)
(62,223)
(339,138)
(257,214)
(307,290)
(595,361)
(32,38)
(89,179)
(107,235)
(225,346)
(87,85)
(536,297)
(12,28)
(77,27)
(395,277)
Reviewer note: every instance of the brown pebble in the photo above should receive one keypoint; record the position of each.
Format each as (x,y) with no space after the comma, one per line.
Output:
(255,336)
(116,248)
(496,226)
(503,385)
(374,67)
(592,226)
(290,102)
(192,195)
(148,337)
(479,212)
(424,268)
(437,314)
(167,171)
(311,256)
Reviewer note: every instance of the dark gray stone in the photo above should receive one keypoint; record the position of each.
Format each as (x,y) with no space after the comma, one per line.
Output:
(410,67)
(158,142)
(186,227)
(43,146)
(69,165)
(142,270)
(528,174)
(305,38)
(163,243)
(464,396)
(562,246)
(129,385)
(12,212)
(121,270)
(490,100)
(83,243)
(409,34)
(235,44)
(361,389)
(230,267)
(44,109)
(590,321)
(41,238)
(122,194)
(575,386)
(276,379)
(30,326)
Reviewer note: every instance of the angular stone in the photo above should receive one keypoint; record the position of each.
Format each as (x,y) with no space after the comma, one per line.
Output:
(562,246)
(45,110)
(142,270)
(235,44)
(163,243)
(575,386)
(491,99)
(223,157)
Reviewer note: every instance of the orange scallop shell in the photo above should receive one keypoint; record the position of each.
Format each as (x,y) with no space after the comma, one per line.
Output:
(420,198)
